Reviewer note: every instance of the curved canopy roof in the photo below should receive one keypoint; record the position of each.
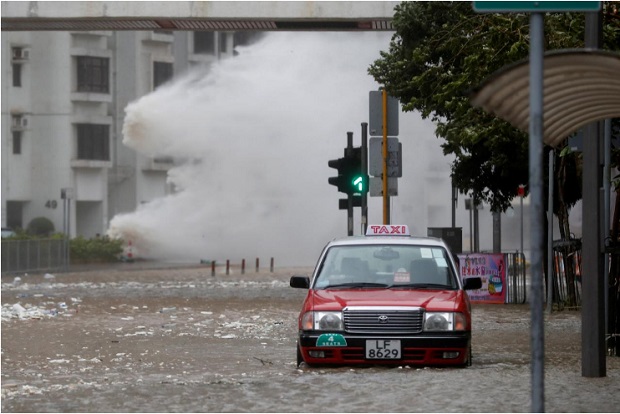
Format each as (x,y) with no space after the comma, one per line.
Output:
(580,86)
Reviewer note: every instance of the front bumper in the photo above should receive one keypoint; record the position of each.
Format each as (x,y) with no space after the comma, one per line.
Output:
(445,348)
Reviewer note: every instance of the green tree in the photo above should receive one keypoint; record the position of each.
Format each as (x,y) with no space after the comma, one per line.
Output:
(441,51)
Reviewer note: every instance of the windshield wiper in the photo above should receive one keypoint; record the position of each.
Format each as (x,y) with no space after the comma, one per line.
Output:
(420,286)
(358,284)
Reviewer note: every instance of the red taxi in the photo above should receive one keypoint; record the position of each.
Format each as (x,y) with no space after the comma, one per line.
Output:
(385,298)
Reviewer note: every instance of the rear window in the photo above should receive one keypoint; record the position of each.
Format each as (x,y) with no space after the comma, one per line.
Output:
(389,265)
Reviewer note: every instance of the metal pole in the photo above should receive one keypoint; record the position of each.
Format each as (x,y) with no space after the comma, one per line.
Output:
(365,173)
(536,225)
(386,197)
(550,260)
(349,196)
(454,201)
(349,215)
(522,227)
(474,206)
(497,232)
(65,244)
(607,220)
(522,257)
(593,355)
(68,257)
(471,232)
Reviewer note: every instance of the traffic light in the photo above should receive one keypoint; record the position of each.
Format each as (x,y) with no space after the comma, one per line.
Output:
(350,179)
(356,181)
(340,181)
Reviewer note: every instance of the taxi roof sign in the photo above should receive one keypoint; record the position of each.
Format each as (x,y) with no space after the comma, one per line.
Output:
(387,230)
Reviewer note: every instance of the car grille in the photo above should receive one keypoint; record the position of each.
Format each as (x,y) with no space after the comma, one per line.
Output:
(383,320)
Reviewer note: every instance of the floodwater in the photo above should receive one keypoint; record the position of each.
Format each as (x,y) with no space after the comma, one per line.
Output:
(180,340)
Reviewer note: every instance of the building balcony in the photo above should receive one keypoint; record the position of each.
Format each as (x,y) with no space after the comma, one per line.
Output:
(158,164)
(160,36)
(91,164)
(91,97)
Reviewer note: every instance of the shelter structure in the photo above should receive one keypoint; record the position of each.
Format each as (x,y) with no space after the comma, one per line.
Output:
(580,89)
(580,86)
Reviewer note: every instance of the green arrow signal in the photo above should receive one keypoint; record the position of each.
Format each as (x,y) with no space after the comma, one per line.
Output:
(359,183)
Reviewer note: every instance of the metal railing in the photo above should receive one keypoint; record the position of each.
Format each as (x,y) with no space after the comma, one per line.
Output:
(33,255)
(516,286)
(567,273)
(515,281)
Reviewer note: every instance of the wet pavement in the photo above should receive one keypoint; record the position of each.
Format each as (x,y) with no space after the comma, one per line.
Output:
(176,339)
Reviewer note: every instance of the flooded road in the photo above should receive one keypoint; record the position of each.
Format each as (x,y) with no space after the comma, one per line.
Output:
(181,340)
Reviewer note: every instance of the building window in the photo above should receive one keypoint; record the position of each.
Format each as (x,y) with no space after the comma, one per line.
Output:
(17,74)
(93,74)
(162,73)
(204,42)
(18,121)
(20,53)
(93,142)
(14,214)
(17,142)
(223,38)
(246,38)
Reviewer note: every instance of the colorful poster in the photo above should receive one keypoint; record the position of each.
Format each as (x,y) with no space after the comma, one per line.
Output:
(491,269)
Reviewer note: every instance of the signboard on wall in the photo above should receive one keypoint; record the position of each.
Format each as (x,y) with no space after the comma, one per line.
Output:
(492,270)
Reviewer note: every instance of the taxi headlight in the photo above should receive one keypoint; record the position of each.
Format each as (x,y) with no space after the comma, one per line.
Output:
(444,321)
(328,321)
(322,321)
(435,321)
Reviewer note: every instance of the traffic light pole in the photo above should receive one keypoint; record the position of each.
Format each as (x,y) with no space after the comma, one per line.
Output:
(349,196)
(386,197)
(365,173)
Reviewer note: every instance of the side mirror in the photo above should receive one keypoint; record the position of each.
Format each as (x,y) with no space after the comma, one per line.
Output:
(472,283)
(302,282)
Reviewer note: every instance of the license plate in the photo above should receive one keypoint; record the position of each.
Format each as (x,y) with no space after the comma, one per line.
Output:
(383,349)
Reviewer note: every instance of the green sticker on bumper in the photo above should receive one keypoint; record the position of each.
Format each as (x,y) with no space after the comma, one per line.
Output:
(331,340)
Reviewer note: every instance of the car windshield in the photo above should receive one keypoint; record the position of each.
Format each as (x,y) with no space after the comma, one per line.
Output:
(386,266)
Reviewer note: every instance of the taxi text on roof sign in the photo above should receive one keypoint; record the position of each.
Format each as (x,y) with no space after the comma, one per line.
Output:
(387,230)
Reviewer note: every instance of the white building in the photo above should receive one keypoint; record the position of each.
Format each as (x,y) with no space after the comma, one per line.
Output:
(63,100)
